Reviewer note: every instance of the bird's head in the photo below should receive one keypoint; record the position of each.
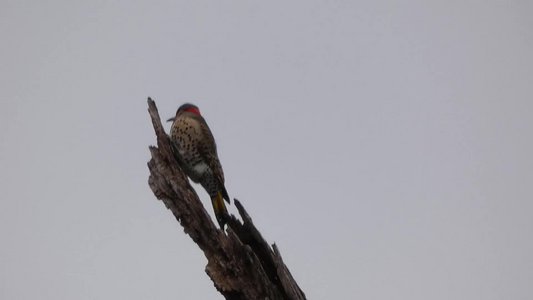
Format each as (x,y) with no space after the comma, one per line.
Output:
(186,108)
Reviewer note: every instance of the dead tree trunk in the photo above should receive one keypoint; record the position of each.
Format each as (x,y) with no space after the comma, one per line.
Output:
(240,262)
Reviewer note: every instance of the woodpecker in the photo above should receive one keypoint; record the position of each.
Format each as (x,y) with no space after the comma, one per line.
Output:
(196,151)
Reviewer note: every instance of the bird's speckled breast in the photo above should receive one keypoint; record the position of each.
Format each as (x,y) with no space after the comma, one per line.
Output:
(187,133)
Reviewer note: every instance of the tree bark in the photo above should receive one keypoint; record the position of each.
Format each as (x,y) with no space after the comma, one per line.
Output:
(240,262)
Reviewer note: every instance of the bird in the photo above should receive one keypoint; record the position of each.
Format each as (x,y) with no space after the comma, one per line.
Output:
(196,151)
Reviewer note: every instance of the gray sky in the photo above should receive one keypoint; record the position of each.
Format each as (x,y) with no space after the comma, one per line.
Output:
(385,146)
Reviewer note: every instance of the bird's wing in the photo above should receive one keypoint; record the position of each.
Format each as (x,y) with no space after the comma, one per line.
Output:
(208,151)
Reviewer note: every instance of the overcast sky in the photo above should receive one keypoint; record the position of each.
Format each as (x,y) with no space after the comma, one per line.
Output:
(385,146)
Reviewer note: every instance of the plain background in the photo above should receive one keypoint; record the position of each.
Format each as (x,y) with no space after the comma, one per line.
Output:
(385,146)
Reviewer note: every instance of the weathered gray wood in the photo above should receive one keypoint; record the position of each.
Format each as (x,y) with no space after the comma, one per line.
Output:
(240,262)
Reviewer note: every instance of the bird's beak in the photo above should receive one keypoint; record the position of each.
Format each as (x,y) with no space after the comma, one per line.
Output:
(171,119)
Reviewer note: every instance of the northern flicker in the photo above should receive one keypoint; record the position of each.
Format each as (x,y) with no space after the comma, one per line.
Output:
(196,151)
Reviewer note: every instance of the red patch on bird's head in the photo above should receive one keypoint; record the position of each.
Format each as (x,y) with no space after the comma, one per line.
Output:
(187,107)
(193,110)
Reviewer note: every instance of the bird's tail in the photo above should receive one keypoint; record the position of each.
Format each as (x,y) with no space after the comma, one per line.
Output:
(225,194)
(219,207)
